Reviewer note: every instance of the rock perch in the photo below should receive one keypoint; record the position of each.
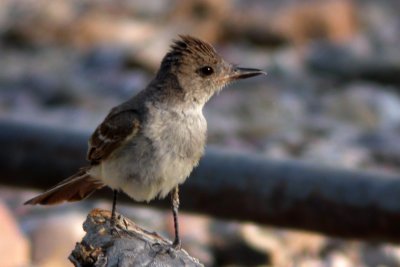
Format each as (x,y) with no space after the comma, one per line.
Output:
(129,246)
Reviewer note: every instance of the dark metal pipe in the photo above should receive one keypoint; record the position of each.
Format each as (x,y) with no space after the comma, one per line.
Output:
(229,185)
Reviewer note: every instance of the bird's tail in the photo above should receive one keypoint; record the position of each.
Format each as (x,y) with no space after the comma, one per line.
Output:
(74,188)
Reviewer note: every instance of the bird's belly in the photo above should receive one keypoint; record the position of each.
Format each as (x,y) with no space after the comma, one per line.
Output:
(150,167)
(144,180)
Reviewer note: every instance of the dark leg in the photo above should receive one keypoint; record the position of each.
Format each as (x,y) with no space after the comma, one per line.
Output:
(113,219)
(175,207)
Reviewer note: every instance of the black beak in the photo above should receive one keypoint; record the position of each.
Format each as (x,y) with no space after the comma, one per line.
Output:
(243,73)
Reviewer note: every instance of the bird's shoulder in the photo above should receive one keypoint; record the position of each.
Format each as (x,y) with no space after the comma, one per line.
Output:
(122,123)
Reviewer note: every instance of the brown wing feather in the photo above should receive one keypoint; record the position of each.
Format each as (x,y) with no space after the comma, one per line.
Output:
(74,188)
(111,133)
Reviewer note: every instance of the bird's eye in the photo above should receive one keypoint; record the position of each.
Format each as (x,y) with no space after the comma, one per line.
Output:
(206,71)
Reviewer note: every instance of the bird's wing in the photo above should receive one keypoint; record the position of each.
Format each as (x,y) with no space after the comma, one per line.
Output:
(118,126)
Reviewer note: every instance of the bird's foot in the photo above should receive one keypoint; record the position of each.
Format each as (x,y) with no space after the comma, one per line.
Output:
(169,249)
(115,232)
(115,229)
(176,245)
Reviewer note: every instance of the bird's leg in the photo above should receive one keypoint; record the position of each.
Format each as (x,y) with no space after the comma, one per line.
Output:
(176,245)
(115,228)
(113,216)
(175,207)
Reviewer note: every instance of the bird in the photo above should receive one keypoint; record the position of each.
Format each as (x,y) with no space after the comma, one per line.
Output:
(148,145)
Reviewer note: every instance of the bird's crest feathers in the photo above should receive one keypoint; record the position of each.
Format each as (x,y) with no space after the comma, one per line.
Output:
(187,45)
(191,45)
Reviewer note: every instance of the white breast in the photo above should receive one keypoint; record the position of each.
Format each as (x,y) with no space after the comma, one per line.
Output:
(161,157)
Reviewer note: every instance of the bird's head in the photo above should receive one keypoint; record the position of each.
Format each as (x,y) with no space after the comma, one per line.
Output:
(194,68)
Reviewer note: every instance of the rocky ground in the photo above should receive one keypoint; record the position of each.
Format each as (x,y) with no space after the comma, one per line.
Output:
(331,97)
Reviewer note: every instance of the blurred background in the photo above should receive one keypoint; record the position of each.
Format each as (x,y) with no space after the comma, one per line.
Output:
(331,98)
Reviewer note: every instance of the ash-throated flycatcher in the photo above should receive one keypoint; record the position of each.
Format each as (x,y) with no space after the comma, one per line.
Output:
(149,144)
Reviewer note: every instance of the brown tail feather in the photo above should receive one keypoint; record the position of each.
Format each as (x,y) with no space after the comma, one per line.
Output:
(74,188)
